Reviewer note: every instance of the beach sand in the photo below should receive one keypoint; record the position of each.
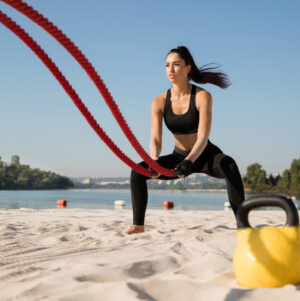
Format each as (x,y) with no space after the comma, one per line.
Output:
(79,254)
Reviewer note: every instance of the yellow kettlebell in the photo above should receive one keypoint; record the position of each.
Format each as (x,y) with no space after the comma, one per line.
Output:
(269,256)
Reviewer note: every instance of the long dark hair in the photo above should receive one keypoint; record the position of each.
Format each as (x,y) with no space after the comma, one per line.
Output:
(201,75)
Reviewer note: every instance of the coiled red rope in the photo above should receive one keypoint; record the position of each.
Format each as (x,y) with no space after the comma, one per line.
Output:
(66,42)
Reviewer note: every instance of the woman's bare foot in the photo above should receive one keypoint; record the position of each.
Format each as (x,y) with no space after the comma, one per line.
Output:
(135,229)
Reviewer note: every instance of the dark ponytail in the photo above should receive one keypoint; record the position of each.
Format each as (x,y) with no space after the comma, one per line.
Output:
(201,75)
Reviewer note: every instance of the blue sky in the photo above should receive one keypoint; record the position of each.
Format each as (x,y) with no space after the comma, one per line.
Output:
(255,120)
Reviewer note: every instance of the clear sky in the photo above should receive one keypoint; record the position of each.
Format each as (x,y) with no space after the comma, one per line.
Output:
(257,43)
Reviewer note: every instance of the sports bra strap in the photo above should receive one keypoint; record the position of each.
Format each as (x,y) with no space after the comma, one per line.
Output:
(168,95)
(193,92)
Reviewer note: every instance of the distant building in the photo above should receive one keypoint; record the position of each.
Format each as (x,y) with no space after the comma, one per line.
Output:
(194,179)
(86,181)
(113,182)
(178,182)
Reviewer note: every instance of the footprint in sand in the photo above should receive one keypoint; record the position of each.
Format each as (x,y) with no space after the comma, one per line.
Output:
(81,228)
(141,269)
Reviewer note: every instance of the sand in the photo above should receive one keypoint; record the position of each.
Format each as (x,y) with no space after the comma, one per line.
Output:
(79,254)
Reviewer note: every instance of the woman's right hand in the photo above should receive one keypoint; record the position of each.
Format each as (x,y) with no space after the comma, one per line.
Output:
(155,176)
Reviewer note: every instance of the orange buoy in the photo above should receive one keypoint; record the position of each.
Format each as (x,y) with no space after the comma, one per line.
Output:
(61,203)
(168,205)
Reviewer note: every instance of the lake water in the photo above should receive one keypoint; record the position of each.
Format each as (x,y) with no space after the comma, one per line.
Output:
(104,199)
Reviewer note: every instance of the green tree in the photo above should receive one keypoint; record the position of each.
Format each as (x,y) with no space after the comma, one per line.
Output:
(273,180)
(255,178)
(10,176)
(295,174)
(285,181)
(291,177)
(17,176)
(2,177)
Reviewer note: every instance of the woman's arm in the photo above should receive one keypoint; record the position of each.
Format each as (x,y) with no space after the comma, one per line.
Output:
(204,105)
(156,127)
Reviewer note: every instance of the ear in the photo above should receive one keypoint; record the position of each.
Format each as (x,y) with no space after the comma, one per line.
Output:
(189,68)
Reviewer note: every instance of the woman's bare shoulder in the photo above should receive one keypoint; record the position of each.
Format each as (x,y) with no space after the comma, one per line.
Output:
(159,101)
(202,95)
(201,91)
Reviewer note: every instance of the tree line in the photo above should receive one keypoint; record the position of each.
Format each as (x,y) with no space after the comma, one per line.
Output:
(256,179)
(18,176)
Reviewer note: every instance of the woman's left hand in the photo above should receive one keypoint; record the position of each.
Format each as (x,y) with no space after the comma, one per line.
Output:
(155,174)
(183,169)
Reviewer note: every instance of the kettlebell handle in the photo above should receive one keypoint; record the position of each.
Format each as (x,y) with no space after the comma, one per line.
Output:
(267,200)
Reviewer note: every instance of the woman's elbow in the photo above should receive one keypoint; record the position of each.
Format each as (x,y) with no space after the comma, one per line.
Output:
(156,140)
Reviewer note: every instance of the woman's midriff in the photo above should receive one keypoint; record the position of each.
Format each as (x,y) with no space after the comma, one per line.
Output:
(186,141)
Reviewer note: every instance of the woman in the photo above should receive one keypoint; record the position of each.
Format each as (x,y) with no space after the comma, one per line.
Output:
(187,112)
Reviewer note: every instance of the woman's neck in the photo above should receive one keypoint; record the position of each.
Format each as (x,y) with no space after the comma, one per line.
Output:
(182,88)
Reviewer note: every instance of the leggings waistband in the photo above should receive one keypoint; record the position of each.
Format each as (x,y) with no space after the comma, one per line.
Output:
(180,151)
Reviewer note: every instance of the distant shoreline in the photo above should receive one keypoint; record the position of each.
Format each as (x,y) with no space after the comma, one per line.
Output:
(212,190)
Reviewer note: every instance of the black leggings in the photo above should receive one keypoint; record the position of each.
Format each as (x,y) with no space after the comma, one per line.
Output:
(211,162)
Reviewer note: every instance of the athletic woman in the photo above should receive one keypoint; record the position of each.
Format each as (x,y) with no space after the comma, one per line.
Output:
(187,112)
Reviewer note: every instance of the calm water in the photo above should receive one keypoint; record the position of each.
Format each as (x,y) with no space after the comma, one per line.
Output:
(104,199)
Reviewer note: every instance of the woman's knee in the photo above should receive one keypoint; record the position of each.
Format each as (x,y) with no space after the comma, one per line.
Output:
(226,164)
(230,166)
(134,175)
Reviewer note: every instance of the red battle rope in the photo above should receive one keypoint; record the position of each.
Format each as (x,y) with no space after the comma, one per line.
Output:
(16,29)
(66,42)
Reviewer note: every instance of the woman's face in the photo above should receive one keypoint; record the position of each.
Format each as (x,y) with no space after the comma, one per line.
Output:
(176,68)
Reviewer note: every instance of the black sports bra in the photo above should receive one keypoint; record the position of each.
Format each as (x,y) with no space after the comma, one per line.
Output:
(186,123)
